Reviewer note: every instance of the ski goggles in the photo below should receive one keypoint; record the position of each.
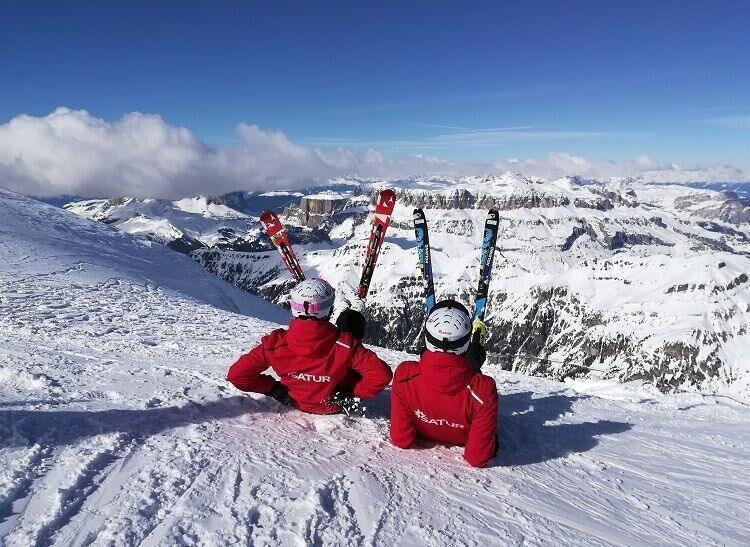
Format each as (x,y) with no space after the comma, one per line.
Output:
(309,308)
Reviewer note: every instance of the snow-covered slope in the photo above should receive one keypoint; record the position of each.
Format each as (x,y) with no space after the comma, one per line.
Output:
(39,241)
(117,428)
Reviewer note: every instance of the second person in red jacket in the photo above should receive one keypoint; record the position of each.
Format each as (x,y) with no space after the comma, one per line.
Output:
(444,398)
(321,366)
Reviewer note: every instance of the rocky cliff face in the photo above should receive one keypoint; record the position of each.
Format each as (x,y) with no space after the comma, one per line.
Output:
(315,210)
(616,280)
(515,193)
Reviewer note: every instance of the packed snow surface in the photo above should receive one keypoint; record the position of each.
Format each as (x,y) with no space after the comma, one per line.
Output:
(118,428)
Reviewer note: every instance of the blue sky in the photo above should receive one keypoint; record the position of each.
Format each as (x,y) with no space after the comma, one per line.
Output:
(464,81)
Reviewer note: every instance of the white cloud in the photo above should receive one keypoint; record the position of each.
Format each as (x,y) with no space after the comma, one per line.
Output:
(466,138)
(731,122)
(72,152)
(559,164)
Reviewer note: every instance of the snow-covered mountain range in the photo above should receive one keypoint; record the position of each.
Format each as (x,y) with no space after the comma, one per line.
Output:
(117,426)
(605,279)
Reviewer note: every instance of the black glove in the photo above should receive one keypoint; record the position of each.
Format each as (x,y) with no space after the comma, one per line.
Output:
(281,394)
(476,355)
(348,402)
(352,321)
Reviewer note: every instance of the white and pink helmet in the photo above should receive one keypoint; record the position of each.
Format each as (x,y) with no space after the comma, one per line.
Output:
(312,298)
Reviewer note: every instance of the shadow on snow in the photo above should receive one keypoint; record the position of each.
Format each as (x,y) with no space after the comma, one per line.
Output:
(526,434)
(62,427)
(526,437)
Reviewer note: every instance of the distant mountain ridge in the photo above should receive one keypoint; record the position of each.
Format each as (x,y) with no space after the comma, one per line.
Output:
(741,188)
(615,279)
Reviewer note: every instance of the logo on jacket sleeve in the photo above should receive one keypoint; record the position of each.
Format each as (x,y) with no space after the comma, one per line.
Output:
(436,421)
(309,377)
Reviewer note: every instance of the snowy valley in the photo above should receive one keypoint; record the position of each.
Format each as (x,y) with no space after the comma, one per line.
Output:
(593,279)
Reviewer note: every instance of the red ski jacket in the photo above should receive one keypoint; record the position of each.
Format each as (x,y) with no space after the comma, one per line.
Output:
(313,359)
(442,400)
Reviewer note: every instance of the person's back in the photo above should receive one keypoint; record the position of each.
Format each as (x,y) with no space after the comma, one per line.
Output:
(442,399)
(315,361)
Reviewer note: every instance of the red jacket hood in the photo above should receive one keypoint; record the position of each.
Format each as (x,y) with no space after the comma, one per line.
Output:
(445,372)
(314,337)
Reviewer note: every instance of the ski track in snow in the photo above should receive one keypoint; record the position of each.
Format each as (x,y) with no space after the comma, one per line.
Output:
(118,428)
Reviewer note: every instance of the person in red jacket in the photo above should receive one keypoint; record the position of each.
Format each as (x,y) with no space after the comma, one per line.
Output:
(444,398)
(322,367)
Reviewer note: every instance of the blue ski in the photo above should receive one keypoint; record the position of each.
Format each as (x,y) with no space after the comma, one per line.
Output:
(485,263)
(424,257)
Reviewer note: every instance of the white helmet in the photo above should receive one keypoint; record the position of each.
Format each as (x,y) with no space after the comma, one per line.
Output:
(448,328)
(312,298)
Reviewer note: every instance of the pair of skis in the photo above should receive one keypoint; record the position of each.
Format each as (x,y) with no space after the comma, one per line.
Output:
(276,231)
(380,222)
(489,241)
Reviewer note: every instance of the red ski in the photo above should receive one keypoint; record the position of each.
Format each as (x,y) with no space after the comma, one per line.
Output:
(383,212)
(275,230)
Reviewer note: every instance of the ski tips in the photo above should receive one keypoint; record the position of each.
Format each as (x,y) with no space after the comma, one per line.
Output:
(270,222)
(387,194)
(386,202)
(266,216)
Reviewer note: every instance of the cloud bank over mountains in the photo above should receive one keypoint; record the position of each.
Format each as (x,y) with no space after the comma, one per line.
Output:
(73,152)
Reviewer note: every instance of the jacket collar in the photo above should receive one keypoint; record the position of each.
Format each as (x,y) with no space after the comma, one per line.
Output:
(446,372)
(315,335)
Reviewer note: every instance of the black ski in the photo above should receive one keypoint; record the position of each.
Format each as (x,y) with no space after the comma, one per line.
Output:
(424,257)
(489,241)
